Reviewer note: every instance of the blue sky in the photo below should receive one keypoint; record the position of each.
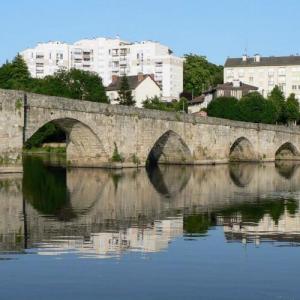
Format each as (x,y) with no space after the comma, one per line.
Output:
(214,28)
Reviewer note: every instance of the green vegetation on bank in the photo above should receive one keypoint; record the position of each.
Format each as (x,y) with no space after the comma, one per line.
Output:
(253,107)
(156,103)
(46,150)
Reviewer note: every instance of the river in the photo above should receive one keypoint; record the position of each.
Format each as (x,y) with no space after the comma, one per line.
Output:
(170,232)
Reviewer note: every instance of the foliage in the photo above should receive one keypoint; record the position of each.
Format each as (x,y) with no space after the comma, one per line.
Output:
(48,133)
(125,94)
(75,84)
(199,74)
(291,109)
(181,105)
(15,74)
(156,103)
(116,157)
(255,108)
(135,159)
(277,98)
(45,188)
(224,107)
(44,150)
(198,224)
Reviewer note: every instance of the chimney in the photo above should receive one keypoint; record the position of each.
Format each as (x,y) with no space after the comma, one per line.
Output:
(257,58)
(236,83)
(114,78)
(140,77)
(244,57)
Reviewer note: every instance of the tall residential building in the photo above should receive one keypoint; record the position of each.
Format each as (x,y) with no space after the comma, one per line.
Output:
(109,57)
(266,72)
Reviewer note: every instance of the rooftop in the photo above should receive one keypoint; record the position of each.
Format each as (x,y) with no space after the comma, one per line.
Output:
(236,86)
(133,82)
(263,61)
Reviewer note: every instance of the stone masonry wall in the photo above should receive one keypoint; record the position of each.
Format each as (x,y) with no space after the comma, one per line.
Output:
(96,130)
(11,129)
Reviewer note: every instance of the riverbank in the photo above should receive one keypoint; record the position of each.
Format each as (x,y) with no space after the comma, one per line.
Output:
(45,150)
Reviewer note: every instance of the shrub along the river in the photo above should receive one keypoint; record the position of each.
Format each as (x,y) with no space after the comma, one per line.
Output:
(253,107)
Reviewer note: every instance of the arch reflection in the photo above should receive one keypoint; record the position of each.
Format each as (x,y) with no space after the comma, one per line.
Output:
(241,173)
(169,180)
(286,169)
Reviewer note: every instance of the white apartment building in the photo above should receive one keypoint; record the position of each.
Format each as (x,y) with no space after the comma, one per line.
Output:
(109,57)
(266,72)
(47,58)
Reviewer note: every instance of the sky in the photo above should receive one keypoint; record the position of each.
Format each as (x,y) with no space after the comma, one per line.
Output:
(216,29)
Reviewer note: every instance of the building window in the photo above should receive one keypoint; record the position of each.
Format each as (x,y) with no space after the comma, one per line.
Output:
(281,71)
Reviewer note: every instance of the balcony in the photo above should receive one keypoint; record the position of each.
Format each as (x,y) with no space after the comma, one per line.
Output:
(123,63)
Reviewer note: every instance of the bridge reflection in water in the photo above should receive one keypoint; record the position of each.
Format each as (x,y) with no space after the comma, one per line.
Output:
(103,213)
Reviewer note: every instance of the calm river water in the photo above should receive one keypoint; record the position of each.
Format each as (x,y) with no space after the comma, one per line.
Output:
(207,232)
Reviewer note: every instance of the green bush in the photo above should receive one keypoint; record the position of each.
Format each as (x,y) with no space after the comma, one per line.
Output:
(255,108)
(224,107)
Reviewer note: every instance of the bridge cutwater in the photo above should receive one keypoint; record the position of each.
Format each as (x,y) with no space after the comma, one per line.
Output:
(95,130)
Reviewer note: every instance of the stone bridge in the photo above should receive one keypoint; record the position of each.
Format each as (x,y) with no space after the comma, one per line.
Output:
(96,131)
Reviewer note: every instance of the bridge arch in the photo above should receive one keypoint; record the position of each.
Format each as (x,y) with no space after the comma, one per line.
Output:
(287,151)
(170,148)
(242,150)
(84,148)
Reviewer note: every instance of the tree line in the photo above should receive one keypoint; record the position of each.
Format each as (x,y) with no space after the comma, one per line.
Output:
(76,84)
(253,107)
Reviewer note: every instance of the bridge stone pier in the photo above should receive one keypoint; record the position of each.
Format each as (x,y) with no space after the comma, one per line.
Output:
(95,131)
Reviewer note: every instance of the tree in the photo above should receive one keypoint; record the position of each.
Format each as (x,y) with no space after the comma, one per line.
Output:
(253,107)
(291,111)
(277,97)
(5,75)
(199,74)
(48,133)
(15,74)
(75,84)
(19,76)
(156,103)
(181,105)
(125,95)
(224,107)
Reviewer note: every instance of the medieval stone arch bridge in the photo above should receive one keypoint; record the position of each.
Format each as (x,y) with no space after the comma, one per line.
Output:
(94,131)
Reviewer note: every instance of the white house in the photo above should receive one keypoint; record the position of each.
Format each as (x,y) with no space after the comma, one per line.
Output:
(266,72)
(108,57)
(142,87)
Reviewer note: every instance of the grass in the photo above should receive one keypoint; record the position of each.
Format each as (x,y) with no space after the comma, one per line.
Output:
(44,150)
